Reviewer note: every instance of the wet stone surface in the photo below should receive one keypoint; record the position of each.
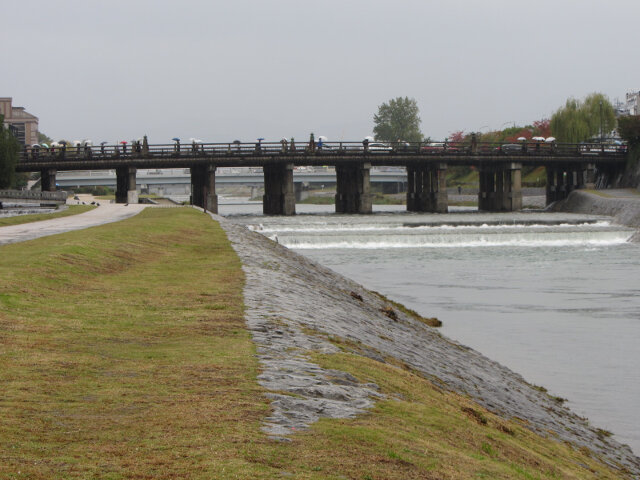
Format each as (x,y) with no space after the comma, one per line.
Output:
(293,305)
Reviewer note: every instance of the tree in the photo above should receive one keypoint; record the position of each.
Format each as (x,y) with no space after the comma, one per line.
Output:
(398,120)
(9,149)
(580,120)
(42,138)
(629,129)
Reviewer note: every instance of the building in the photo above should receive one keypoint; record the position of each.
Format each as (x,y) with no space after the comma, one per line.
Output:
(633,103)
(21,123)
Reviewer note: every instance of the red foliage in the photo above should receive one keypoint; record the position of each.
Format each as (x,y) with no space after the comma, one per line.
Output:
(455,137)
(525,132)
(542,128)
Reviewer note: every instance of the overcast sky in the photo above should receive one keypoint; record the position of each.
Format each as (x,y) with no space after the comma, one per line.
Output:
(241,69)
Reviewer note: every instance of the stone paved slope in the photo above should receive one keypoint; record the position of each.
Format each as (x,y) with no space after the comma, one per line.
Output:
(293,304)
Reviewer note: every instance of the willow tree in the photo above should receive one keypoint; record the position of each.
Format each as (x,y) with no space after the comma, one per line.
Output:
(9,149)
(580,120)
(398,120)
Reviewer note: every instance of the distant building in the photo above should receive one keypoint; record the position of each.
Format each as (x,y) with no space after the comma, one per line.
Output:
(633,103)
(21,123)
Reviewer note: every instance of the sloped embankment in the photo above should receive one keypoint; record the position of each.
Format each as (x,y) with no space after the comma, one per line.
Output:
(294,305)
(622,205)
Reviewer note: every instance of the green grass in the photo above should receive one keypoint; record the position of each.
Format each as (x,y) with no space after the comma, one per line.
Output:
(36,217)
(124,355)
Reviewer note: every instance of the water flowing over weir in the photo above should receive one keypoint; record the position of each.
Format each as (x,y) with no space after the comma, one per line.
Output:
(448,236)
(555,297)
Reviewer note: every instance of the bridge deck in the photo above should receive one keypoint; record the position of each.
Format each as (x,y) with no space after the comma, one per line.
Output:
(251,155)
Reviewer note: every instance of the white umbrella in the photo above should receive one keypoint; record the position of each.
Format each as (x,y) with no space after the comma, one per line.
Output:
(323,138)
(369,138)
(538,139)
(550,139)
(522,139)
(35,145)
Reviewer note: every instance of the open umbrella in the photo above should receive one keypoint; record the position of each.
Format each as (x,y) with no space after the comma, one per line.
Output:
(522,139)
(175,139)
(44,145)
(123,142)
(323,138)
(62,142)
(550,139)
(538,139)
(369,138)
(103,143)
(35,145)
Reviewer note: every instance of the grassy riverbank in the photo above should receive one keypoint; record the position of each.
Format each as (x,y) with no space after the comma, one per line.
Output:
(124,354)
(36,217)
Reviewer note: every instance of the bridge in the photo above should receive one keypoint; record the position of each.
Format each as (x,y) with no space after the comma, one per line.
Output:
(568,166)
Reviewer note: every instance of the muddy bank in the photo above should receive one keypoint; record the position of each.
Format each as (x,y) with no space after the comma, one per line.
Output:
(622,205)
(294,305)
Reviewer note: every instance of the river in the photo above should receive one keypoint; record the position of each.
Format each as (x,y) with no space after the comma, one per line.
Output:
(554,297)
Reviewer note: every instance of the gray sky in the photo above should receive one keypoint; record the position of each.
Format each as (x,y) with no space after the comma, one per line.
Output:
(220,70)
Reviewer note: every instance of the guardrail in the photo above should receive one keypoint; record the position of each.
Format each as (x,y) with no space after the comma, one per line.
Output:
(284,148)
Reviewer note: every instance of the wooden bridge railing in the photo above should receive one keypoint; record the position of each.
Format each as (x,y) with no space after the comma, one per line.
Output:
(415,149)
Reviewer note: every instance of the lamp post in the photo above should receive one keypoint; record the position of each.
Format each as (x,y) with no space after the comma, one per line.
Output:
(601,137)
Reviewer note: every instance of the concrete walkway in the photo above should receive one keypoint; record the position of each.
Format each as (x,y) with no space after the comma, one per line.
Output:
(105,213)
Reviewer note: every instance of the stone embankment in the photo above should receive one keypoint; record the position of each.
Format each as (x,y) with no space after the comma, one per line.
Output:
(622,205)
(295,306)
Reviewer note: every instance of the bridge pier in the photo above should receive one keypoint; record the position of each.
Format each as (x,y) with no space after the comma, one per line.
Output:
(427,188)
(203,187)
(353,188)
(126,185)
(279,196)
(500,187)
(48,179)
(563,179)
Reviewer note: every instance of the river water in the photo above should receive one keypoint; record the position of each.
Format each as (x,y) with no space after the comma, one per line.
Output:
(554,297)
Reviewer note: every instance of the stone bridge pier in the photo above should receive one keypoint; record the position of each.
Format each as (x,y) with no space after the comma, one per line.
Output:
(500,187)
(562,179)
(279,195)
(126,185)
(427,188)
(353,188)
(203,187)
(48,179)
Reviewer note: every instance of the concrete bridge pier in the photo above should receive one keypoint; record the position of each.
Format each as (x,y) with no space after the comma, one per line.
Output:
(563,179)
(126,185)
(203,187)
(279,195)
(48,179)
(353,188)
(500,187)
(301,191)
(427,189)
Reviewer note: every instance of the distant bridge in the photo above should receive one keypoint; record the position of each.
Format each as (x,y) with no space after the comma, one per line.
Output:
(568,166)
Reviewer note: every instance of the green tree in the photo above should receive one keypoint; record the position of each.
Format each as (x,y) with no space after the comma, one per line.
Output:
(9,149)
(629,129)
(42,138)
(398,120)
(580,120)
